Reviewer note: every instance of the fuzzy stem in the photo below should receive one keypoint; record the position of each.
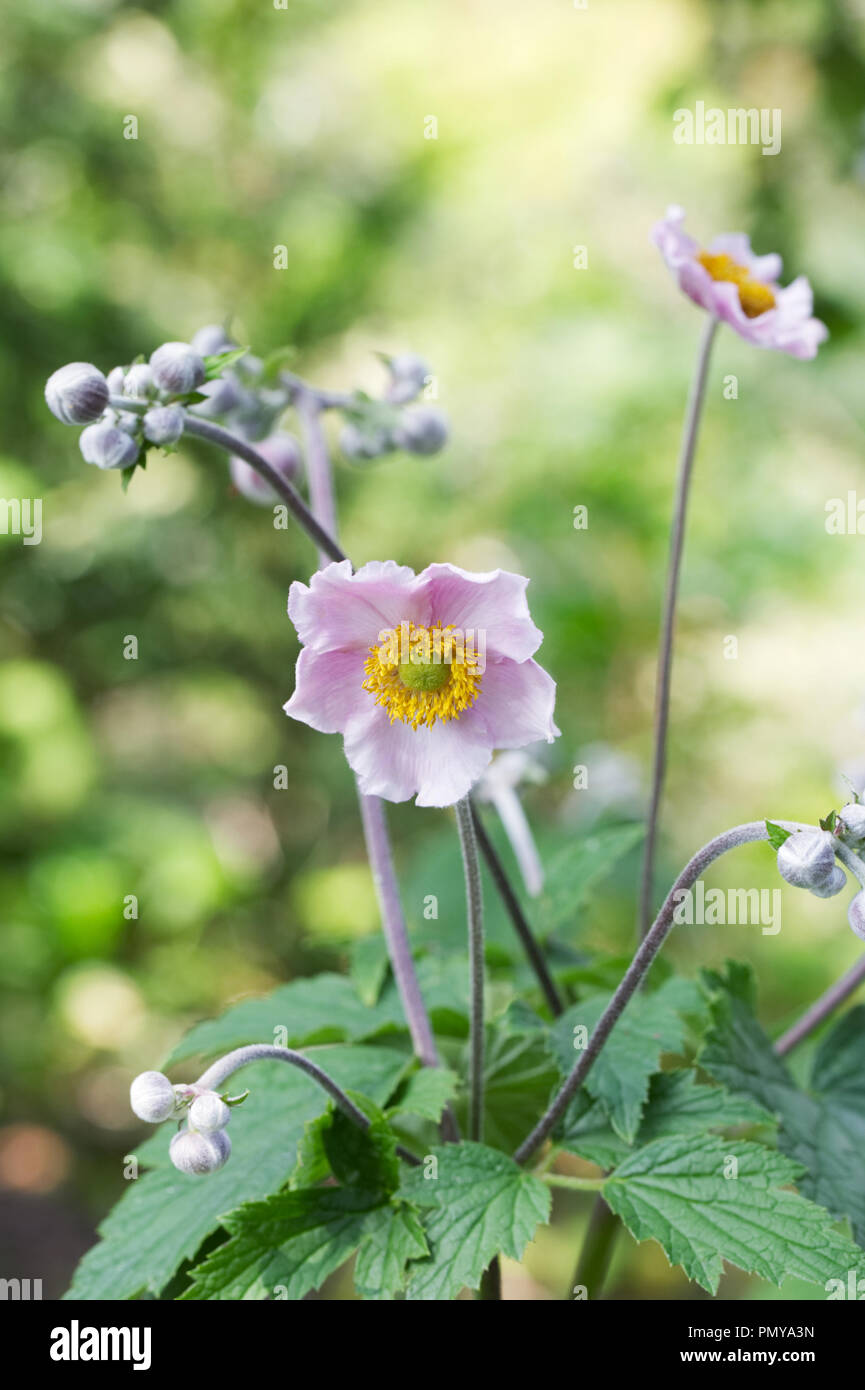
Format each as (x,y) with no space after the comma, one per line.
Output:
(215,434)
(597,1249)
(516,914)
(518,831)
(220,1071)
(475,909)
(318,471)
(668,621)
(393,922)
(637,970)
(575,1184)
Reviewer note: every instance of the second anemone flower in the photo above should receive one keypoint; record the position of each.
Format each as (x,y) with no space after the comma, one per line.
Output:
(424,675)
(742,289)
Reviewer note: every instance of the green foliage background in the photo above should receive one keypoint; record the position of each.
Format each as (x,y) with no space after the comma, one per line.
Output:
(305,128)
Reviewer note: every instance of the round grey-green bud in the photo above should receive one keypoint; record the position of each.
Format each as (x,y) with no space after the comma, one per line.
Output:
(152,1097)
(163,424)
(856,915)
(107,446)
(210,340)
(138,381)
(832,885)
(197,1154)
(177,368)
(853,816)
(422,430)
(806,859)
(208,1113)
(77,393)
(409,374)
(357,443)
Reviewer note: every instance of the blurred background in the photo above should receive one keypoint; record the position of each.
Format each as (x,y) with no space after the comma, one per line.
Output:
(308,127)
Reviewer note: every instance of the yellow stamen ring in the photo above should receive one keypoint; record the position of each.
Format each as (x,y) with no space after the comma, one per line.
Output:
(754,297)
(421,674)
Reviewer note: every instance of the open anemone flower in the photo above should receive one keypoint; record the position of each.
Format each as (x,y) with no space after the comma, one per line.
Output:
(423,675)
(742,289)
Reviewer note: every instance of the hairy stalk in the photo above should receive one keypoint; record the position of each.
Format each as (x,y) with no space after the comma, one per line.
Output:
(515,912)
(256,1052)
(318,471)
(668,621)
(393,922)
(597,1249)
(215,434)
(637,970)
(475,910)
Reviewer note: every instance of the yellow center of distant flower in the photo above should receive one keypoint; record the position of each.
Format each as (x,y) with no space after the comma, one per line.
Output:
(754,297)
(421,674)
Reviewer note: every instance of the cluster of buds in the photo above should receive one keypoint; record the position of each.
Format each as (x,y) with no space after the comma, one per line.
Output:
(213,379)
(202,1146)
(377,427)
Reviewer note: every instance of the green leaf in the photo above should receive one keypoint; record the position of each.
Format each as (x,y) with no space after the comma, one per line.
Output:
(326,1008)
(676,1105)
(425,1093)
(520,1072)
(369,967)
(362,1158)
(577,870)
(675,1191)
(777,834)
(287,1244)
(620,1076)
(216,363)
(822,1128)
(164,1215)
(479,1204)
(395,1239)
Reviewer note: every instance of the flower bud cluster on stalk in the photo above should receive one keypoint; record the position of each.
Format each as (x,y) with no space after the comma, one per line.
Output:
(213,379)
(201,1146)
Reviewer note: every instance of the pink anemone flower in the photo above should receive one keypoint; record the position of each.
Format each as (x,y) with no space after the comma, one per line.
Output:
(424,675)
(742,289)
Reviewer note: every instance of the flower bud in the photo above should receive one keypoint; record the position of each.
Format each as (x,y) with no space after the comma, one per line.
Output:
(856,915)
(152,1097)
(832,885)
(806,859)
(358,443)
(210,340)
(223,395)
(138,381)
(208,1113)
(115,379)
(409,374)
(163,424)
(77,393)
(282,452)
(177,368)
(422,430)
(853,816)
(108,446)
(199,1153)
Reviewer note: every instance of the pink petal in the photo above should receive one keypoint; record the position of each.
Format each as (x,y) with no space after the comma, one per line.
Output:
(341,609)
(328,689)
(440,765)
(493,603)
(516,704)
